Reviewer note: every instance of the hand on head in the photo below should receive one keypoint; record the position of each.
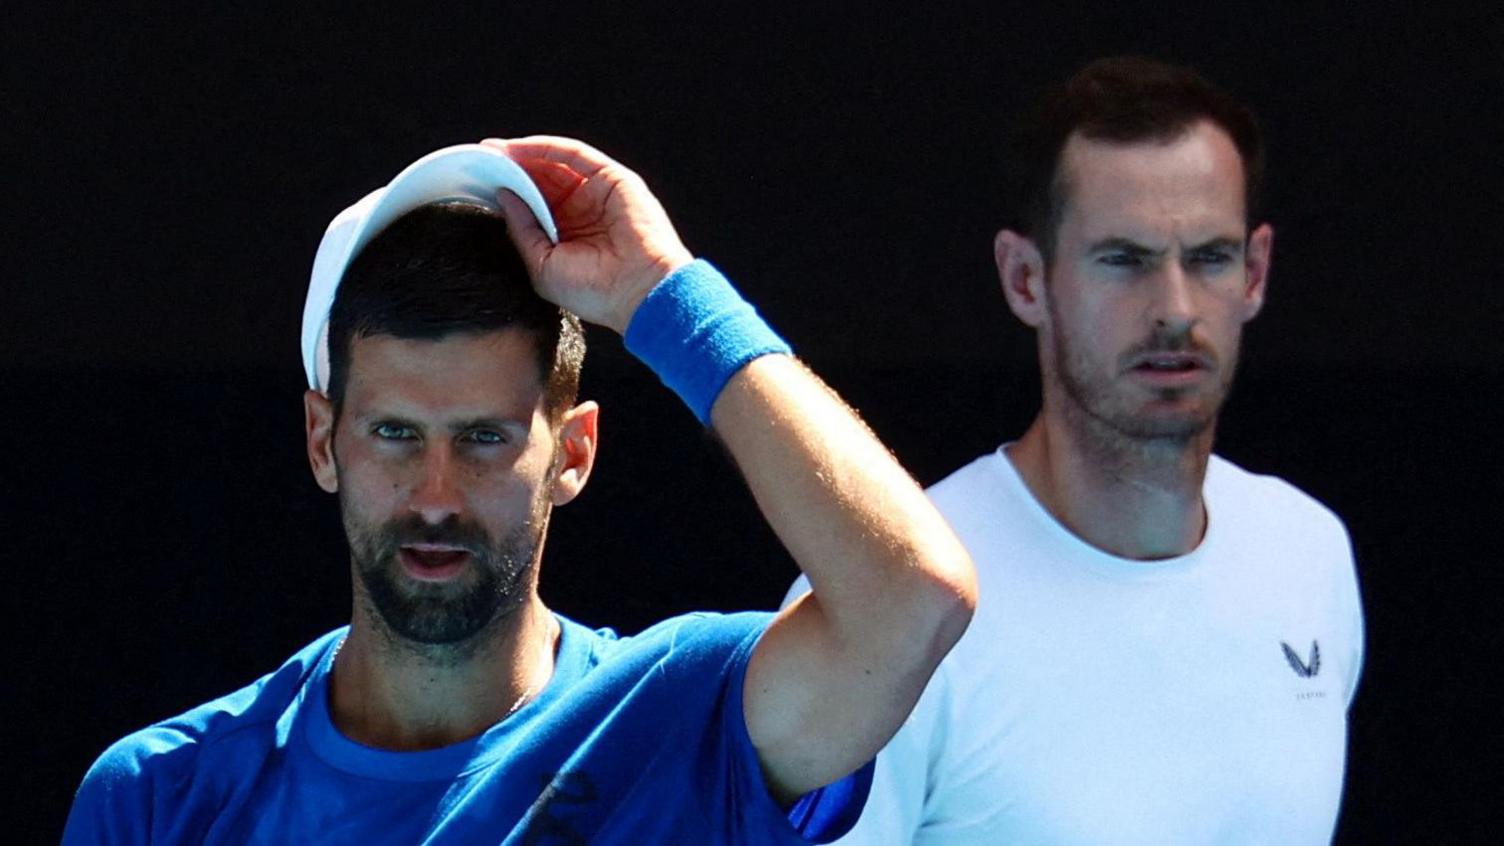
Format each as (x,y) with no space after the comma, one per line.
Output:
(615,240)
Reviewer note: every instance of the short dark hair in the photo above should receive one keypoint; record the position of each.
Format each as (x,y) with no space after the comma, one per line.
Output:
(444,269)
(1123,99)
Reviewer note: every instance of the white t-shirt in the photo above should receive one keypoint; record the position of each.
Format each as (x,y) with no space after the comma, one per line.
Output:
(1101,700)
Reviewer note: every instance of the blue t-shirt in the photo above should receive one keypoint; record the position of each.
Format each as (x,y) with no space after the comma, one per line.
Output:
(637,740)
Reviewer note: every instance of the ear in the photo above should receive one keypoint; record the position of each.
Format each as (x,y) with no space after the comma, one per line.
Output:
(577,441)
(1256,261)
(1020,269)
(318,424)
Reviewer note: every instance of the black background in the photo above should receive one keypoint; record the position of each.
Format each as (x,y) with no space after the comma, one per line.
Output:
(169,174)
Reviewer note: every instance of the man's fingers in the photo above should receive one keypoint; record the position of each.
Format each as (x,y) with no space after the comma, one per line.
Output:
(576,155)
(558,175)
(555,181)
(530,239)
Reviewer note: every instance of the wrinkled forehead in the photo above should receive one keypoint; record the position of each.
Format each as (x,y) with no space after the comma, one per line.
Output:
(1192,181)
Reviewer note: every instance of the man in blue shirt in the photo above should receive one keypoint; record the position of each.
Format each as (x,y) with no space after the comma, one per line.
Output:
(456,708)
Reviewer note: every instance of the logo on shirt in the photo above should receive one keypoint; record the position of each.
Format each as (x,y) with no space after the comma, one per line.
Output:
(1305,669)
(565,795)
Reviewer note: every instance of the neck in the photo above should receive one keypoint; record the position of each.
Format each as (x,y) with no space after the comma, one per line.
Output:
(390,693)
(1132,498)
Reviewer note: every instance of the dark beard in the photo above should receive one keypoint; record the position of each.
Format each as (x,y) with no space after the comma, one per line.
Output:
(443,614)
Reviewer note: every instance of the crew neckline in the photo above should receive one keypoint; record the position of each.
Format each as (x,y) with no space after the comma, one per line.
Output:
(1099,560)
(331,745)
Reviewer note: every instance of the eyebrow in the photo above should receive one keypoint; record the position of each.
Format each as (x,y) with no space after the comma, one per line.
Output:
(1232,245)
(487,423)
(1134,248)
(1123,245)
(454,428)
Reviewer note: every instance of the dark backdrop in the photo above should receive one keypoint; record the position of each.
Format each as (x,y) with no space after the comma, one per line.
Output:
(169,175)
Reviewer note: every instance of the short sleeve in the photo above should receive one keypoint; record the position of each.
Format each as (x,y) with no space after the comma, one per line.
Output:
(819,816)
(114,802)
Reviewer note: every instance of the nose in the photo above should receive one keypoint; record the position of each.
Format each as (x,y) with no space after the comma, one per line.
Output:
(437,495)
(1174,308)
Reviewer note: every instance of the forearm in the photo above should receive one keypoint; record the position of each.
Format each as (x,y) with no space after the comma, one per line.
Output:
(887,570)
(833,676)
(892,587)
(862,530)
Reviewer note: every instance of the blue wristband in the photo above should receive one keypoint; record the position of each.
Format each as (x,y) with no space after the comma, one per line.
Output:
(695,331)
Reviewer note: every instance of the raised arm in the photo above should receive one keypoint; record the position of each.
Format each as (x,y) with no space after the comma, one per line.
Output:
(892,587)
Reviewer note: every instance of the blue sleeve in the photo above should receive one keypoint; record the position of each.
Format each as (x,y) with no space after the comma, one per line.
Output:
(113,804)
(90,820)
(817,817)
(828,813)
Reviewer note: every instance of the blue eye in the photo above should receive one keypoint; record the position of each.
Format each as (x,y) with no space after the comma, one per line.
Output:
(485,437)
(1120,260)
(393,432)
(1211,257)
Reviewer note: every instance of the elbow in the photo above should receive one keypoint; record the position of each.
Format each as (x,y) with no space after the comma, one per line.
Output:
(907,614)
(953,599)
(934,606)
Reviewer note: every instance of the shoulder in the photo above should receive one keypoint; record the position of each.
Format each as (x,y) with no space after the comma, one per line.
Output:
(1310,544)
(1270,501)
(700,640)
(975,492)
(692,658)
(1295,540)
(981,472)
(169,754)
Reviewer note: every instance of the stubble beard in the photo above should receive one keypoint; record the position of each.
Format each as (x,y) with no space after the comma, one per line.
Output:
(443,616)
(1111,417)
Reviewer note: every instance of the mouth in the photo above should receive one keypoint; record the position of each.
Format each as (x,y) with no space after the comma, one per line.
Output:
(433,562)
(1170,368)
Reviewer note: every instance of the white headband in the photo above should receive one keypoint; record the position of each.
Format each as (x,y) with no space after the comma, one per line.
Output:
(468,172)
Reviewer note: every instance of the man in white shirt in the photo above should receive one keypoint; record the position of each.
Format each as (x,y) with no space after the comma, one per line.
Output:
(1166,645)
